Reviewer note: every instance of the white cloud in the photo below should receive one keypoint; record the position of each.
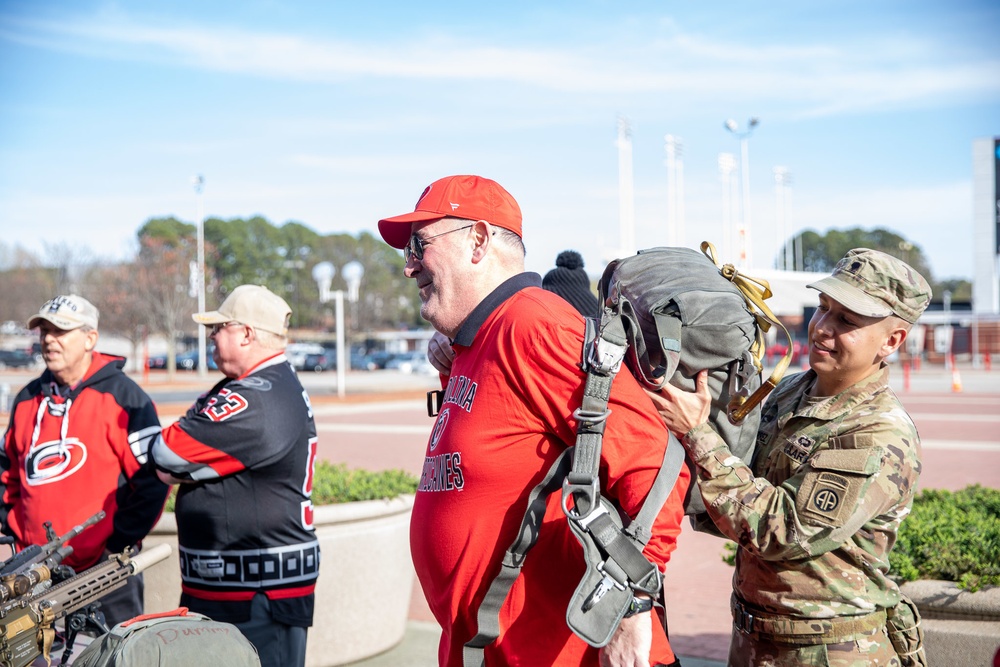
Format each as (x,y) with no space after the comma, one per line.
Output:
(808,79)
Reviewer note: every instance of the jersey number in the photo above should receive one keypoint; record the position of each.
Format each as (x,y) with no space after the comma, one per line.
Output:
(307,485)
(224,406)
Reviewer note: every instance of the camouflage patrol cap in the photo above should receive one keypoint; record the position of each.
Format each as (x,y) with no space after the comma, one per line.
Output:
(875,284)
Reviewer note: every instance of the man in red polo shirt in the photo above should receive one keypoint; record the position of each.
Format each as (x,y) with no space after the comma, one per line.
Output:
(507,414)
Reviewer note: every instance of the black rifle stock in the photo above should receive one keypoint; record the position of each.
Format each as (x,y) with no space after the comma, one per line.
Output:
(27,621)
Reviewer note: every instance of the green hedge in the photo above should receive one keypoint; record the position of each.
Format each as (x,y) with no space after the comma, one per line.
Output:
(336,484)
(954,536)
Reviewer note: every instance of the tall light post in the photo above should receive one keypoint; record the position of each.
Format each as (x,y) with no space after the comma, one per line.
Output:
(782,179)
(744,233)
(199,186)
(948,331)
(352,272)
(626,194)
(727,164)
(674,149)
(323,274)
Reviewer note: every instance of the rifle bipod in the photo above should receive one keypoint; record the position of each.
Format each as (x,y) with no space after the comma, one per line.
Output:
(90,617)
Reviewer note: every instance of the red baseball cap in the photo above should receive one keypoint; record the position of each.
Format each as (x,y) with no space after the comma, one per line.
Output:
(467,197)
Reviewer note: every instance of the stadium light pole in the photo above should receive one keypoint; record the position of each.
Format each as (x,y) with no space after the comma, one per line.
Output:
(727,163)
(323,274)
(734,128)
(199,186)
(626,190)
(674,148)
(352,273)
(784,245)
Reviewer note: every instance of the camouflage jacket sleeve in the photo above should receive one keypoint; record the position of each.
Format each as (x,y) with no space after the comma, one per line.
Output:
(852,486)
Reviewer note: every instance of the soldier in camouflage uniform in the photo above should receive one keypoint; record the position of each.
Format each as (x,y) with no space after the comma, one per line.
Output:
(836,467)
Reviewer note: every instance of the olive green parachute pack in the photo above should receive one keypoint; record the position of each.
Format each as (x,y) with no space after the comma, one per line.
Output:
(178,638)
(666,313)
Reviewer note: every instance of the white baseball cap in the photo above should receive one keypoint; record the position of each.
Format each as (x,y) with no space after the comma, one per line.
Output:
(67,312)
(251,304)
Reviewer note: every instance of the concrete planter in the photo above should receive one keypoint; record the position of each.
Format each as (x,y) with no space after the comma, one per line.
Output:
(366,576)
(960,628)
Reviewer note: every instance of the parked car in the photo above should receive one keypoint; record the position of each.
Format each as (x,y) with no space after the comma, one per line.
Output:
(378,360)
(158,361)
(297,353)
(359,361)
(15,359)
(186,361)
(411,363)
(318,363)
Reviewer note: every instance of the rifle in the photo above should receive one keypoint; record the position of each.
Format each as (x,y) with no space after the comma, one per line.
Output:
(55,548)
(39,564)
(27,618)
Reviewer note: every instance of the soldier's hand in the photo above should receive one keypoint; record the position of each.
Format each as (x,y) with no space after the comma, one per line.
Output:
(682,410)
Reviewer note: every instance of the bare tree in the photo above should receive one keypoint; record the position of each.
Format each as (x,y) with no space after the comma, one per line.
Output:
(160,286)
(71,264)
(27,284)
(122,312)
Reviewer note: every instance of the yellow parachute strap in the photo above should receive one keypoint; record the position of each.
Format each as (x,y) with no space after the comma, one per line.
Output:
(754,291)
(46,631)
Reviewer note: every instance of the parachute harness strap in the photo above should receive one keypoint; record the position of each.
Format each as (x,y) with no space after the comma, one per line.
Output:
(755,291)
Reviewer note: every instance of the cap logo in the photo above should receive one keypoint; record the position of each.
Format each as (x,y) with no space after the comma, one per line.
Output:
(55,304)
(426,192)
(454,206)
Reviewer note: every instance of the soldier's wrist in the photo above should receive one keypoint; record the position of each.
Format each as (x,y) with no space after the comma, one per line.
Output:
(701,441)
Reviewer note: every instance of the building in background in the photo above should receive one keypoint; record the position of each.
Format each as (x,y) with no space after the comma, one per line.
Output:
(986,225)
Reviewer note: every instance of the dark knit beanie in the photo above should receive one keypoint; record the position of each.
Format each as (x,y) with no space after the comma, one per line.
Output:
(572,283)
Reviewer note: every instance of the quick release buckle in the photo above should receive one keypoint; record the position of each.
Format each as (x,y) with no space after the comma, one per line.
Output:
(605,357)
(606,584)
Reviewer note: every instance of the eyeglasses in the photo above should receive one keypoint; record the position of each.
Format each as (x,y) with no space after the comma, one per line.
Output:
(416,245)
(216,328)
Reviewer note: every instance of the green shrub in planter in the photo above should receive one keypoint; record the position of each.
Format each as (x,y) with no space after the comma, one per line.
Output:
(953,536)
(334,483)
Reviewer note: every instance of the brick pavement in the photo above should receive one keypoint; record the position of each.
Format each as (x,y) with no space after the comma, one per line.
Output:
(961,432)
(385,426)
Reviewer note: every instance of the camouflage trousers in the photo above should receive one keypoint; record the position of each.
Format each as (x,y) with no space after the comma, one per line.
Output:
(865,650)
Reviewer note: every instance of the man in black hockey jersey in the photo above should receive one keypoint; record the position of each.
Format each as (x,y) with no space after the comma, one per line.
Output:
(243,456)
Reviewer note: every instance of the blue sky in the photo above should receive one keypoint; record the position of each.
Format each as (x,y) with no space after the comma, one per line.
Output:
(334,114)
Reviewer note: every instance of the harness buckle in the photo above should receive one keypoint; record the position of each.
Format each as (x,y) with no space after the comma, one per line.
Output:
(591,491)
(605,585)
(605,357)
(589,417)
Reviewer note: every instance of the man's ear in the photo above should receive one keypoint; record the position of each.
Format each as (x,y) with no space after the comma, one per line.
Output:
(894,340)
(91,340)
(482,234)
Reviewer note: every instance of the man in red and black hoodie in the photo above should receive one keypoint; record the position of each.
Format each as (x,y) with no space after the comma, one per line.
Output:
(78,442)
(243,456)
